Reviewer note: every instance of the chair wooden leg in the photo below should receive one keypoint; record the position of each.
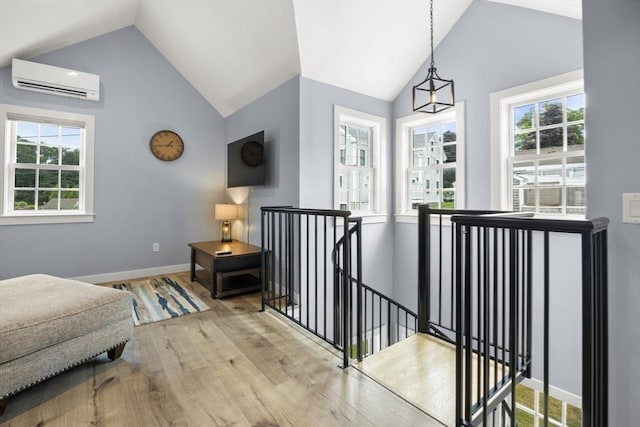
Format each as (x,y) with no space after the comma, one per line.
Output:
(3,405)
(116,352)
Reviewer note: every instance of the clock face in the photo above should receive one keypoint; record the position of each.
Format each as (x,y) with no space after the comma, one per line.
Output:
(252,153)
(166,145)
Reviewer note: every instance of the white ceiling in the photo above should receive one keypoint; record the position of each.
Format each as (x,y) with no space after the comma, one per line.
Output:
(234,51)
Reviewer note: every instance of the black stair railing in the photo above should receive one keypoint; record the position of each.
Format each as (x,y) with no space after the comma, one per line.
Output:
(498,251)
(379,320)
(312,274)
(299,279)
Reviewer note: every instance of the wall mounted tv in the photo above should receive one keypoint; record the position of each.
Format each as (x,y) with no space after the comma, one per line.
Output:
(245,161)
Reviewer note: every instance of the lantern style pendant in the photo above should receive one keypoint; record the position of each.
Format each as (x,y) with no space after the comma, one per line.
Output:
(434,93)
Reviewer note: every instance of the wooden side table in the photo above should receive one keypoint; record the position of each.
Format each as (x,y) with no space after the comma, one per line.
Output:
(226,274)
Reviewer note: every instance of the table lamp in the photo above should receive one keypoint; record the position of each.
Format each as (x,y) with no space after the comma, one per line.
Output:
(226,212)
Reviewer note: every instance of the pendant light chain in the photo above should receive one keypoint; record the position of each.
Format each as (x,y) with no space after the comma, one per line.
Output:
(431,20)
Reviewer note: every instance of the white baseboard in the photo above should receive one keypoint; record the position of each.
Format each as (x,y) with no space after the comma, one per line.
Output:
(133,274)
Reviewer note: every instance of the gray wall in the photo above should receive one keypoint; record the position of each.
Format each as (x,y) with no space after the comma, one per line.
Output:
(316,172)
(138,198)
(278,114)
(492,47)
(611,68)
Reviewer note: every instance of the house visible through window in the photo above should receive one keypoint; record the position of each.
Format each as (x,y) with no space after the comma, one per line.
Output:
(543,150)
(432,173)
(48,161)
(358,167)
(430,159)
(356,170)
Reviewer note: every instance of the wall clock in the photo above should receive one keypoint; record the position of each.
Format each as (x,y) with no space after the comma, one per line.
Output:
(252,153)
(166,145)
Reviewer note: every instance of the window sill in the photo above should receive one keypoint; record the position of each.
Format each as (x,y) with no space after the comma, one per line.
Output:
(369,218)
(412,218)
(46,219)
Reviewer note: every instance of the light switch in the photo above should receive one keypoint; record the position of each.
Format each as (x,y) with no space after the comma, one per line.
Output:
(631,208)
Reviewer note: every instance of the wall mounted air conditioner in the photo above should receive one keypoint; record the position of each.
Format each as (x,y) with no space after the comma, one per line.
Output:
(55,80)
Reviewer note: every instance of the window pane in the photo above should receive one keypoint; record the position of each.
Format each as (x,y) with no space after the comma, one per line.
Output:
(48,155)
(550,112)
(47,200)
(69,200)
(550,197)
(417,181)
(24,200)
(364,158)
(363,137)
(433,135)
(432,179)
(449,153)
(70,146)
(575,137)
(448,199)
(354,180)
(70,179)
(551,140)
(26,153)
(343,155)
(49,135)
(48,179)
(524,200)
(365,178)
(435,155)
(418,158)
(352,135)
(27,132)
(575,170)
(575,107)
(343,135)
(419,137)
(449,178)
(550,172)
(25,178)
(525,143)
(523,117)
(354,198)
(576,196)
(449,134)
(351,155)
(523,173)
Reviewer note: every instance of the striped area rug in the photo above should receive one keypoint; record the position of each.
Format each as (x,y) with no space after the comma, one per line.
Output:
(160,298)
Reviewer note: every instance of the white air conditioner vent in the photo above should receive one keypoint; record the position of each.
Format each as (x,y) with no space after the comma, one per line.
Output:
(55,80)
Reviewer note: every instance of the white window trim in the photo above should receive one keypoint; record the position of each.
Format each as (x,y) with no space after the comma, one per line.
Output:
(36,217)
(500,102)
(403,125)
(378,145)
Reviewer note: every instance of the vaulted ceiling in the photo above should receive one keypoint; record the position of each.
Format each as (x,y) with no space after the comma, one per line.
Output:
(234,51)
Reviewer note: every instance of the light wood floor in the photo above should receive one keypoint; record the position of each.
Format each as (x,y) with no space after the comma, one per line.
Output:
(229,366)
(421,369)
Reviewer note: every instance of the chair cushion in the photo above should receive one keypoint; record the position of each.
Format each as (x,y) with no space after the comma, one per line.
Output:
(39,311)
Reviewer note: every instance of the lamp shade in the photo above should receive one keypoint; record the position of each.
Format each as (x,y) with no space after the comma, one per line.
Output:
(225,211)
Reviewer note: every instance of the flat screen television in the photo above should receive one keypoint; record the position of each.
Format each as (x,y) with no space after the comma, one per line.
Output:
(245,161)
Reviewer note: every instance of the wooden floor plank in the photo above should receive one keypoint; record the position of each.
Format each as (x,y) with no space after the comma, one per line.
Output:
(231,365)
(421,369)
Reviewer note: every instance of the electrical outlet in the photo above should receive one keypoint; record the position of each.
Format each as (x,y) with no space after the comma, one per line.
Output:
(156,247)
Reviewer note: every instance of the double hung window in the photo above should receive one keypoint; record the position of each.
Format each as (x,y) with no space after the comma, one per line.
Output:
(430,157)
(47,166)
(358,144)
(542,145)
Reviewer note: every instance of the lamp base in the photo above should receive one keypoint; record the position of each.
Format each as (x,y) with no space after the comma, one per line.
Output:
(226,231)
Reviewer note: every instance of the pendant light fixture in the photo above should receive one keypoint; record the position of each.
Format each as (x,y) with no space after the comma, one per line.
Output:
(434,94)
